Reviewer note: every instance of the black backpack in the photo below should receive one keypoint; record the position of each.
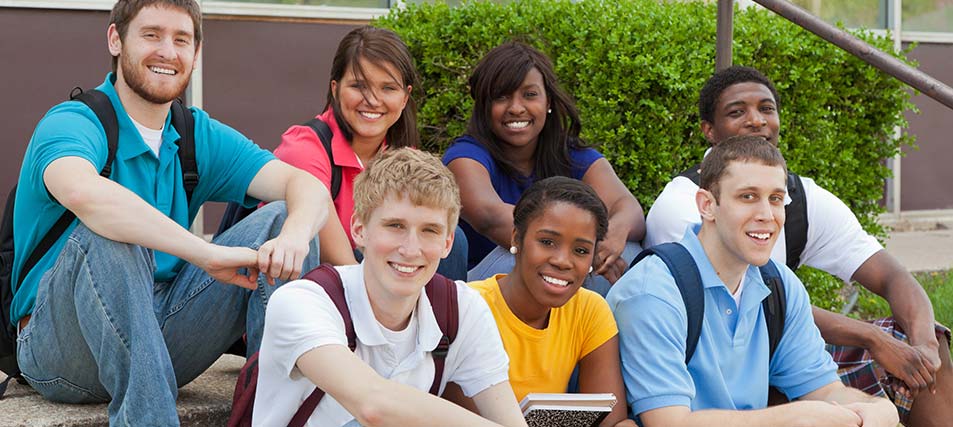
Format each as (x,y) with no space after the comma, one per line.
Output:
(683,268)
(795,226)
(235,212)
(99,102)
(441,292)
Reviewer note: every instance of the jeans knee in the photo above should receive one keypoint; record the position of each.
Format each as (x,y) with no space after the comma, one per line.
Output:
(92,243)
(277,210)
(271,216)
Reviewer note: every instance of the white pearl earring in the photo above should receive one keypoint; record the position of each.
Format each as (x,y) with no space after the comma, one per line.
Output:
(590,269)
(513,250)
(549,111)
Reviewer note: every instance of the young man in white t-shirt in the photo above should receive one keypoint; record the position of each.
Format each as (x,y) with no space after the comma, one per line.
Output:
(405,210)
(906,357)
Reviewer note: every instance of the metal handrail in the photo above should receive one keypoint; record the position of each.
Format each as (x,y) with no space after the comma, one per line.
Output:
(913,77)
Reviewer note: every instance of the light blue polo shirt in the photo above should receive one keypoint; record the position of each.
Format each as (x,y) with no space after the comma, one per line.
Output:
(730,368)
(227,162)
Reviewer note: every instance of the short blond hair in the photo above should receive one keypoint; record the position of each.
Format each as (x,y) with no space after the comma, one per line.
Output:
(407,172)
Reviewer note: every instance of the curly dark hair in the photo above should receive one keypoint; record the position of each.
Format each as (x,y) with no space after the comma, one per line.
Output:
(721,80)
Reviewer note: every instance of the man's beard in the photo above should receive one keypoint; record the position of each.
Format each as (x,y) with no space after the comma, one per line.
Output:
(135,78)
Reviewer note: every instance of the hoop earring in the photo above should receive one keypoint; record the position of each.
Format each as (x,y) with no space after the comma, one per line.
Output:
(513,250)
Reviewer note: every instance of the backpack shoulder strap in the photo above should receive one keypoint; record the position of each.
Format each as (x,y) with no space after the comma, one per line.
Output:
(693,173)
(442,293)
(184,124)
(795,224)
(774,306)
(103,108)
(328,278)
(685,272)
(324,134)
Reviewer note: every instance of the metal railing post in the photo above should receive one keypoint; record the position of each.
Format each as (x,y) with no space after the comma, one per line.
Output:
(723,34)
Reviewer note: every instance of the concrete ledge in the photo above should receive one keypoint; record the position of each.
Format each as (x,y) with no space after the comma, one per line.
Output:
(207,401)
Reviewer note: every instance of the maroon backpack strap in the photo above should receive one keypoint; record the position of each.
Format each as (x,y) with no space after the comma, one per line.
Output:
(442,293)
(328,278)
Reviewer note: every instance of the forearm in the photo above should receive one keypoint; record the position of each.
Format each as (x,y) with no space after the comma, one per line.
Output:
(308,203)
(401,405)
(626,216)
(842,395)
(883,275)
(782,415)
(116,213)
(912,310)
(335,246)
(841,330)
(494,223)
(394,404)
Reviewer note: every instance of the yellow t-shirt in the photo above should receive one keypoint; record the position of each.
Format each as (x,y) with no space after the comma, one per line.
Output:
(541,361)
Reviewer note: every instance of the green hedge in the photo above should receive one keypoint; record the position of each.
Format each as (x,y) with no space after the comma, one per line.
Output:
(635,68)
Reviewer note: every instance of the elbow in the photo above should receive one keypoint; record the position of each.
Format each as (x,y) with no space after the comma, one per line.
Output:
(373,412)
(77,199)
(311,186)
(484,223)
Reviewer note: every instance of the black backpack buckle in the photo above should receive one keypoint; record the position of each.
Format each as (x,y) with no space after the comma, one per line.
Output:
(190,179)
(442,347)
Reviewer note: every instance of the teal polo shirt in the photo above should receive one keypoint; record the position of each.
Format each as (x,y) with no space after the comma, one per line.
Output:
(227,161)
(730,368)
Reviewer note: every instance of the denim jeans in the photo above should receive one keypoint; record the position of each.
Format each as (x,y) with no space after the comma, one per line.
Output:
(501,261)
(104,330)
(454,266)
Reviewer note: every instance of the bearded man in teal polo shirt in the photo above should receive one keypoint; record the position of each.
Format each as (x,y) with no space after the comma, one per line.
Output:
(128,305)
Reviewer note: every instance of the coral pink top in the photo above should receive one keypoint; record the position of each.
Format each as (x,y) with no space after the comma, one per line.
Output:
(301,148)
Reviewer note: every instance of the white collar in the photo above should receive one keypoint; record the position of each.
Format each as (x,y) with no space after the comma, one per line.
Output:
(365,324)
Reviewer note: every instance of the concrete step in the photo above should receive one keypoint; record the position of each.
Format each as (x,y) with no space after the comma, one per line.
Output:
(204,402)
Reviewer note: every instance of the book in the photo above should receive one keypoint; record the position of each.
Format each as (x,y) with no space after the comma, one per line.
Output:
(566,409)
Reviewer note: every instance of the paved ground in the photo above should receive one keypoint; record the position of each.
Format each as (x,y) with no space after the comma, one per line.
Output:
(204,402)
(923,250)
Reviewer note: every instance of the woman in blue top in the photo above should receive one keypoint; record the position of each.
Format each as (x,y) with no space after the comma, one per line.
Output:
(524,128)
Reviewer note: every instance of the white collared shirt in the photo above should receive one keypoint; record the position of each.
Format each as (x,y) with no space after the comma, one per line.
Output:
(301,317)
(836,243)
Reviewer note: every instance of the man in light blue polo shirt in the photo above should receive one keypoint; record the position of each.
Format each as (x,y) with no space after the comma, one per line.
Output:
(128,305)
(741,202)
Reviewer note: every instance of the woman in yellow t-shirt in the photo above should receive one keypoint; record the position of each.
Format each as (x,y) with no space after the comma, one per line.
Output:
(549,324)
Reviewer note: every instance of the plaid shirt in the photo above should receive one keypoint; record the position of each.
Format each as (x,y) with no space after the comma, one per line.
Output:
(859,370)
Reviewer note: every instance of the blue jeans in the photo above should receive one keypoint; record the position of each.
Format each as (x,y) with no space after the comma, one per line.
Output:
(454,266)
(501,261)
(104,330)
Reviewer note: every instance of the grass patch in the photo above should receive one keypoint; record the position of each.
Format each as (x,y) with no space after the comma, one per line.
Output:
(937,284)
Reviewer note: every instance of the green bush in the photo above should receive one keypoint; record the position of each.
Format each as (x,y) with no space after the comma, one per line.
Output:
(635,68)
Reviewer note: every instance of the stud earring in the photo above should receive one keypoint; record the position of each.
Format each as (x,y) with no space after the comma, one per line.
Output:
(549,111)
(513,250)
(590,269)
